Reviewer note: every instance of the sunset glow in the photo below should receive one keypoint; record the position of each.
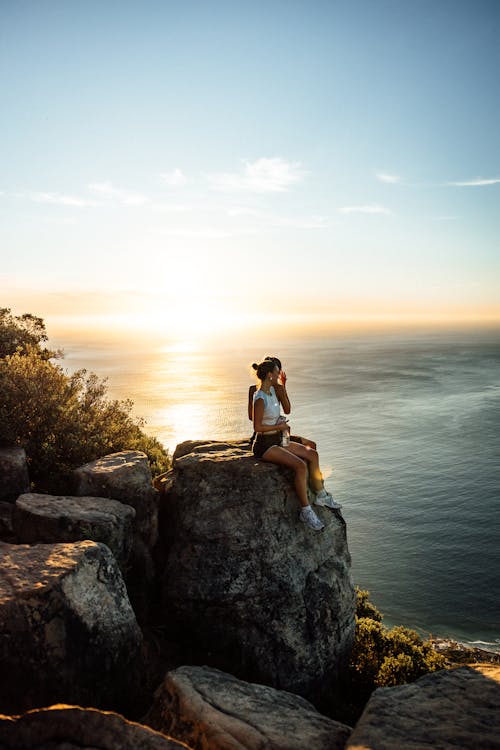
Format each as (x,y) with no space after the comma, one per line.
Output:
(309,174)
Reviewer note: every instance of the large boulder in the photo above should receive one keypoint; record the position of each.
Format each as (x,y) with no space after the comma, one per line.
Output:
(247,587)
(126,477)
(7,533)
(211,710)
(67,630)
(456,708)
(14,478)
(50,519)
(71,727)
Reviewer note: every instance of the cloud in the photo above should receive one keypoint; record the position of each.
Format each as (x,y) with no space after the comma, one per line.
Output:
(389,178)
(206,233)
(58,199)
(476,182)
(241,211)
(175,208)
(311,222)
(260,176)
(370,209)
(106,190)
(175,178)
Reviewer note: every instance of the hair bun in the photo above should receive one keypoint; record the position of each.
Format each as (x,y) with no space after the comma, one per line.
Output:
(255,366)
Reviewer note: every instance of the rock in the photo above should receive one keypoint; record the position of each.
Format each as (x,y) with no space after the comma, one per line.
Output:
(126,477)
(7,533)
(66,727)
(455,708)
(247,587)
(211,710)
(210,446)
(50,519)
(14,479)
(68,632)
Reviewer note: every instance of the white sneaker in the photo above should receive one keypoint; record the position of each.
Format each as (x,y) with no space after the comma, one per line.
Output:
(324,498)
(309,517)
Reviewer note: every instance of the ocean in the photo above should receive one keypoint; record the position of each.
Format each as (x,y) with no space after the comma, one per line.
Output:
(408,430)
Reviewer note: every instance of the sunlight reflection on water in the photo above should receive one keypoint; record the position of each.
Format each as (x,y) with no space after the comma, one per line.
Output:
(411,427)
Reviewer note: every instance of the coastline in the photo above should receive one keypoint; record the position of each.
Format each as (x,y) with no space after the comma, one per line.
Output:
(458,653)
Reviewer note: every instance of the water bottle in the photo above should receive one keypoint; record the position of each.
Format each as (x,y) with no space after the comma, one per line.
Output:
(285,438)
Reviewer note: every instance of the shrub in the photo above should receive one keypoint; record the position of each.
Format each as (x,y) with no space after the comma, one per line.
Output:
(381,657)
(17,332)
(364,608)
(64,421)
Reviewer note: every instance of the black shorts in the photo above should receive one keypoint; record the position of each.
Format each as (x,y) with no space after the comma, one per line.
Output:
(263,442)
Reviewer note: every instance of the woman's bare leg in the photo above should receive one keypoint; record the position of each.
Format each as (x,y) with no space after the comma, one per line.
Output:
(309,443)
(311,456)
(303,441)
(278,455)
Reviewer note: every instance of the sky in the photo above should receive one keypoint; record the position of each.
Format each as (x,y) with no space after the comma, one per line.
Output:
(184,165)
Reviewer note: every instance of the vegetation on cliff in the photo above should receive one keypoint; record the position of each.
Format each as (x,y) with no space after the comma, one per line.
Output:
(61,420)
(382,657)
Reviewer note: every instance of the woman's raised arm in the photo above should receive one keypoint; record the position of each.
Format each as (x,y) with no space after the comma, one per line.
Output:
(283,397)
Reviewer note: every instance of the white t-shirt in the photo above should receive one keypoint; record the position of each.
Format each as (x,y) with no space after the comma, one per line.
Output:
(271,406)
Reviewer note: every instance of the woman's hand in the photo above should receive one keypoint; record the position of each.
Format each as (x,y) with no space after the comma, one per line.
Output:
(283,426)
(283,378)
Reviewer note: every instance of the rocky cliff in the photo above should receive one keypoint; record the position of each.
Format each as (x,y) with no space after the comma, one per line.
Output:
(257,592)
(244,586)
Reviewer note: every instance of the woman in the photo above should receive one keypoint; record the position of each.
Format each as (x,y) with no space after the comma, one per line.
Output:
(282,395)
(269,427)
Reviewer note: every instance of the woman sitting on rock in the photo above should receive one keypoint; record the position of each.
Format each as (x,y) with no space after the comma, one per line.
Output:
(282,395)
(272,444)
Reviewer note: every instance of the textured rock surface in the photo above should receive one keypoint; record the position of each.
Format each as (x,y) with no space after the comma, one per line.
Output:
(7,533)
(50,519)
(211,710)
(260,594)
(67,630)
(126,477)
(14,479)
(457,708)
(66,727)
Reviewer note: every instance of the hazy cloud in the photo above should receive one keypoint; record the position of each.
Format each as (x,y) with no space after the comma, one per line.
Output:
(389,178)
(260,176)
(476,182)
(175,178)
(206,233)
(106,190)
(58,199)
(370,209)
(307,222)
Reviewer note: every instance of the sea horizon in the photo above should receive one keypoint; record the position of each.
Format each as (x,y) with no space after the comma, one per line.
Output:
(406,429)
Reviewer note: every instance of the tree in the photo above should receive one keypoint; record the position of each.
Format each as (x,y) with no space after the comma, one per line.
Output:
(20,332)
(61,420)
(381,657)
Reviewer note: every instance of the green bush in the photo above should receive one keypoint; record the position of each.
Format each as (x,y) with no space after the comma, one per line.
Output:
(364,607)
(381,657)
(17,332)
(64,421)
